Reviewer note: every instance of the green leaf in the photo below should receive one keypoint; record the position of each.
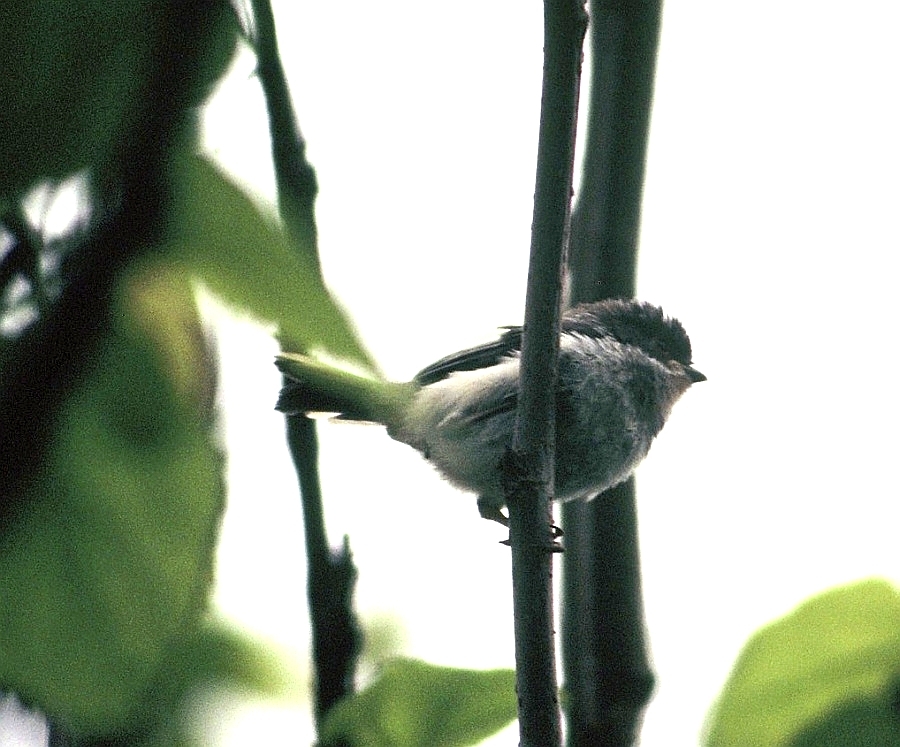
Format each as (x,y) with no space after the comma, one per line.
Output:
(813,668)
(872,722)
(205,660)
(217,653)
(210,657)
(245,259)
(414,704)
(110,561)
(75,73)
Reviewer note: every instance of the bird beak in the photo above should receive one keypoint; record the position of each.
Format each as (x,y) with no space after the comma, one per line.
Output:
(693,374)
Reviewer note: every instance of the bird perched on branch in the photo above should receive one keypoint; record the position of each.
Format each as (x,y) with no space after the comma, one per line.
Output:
(622,365)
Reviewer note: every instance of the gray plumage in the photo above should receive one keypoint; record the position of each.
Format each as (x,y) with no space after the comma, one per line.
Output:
(622,365)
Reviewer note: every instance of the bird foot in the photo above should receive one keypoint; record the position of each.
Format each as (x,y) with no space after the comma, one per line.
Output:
(490,510)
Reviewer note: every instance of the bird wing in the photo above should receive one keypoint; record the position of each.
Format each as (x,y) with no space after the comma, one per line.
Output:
(482,356)
(580,320)
(502,406)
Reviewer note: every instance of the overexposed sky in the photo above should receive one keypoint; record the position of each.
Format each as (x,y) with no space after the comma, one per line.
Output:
(770,229)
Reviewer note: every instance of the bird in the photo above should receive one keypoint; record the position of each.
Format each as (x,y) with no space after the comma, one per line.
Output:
(622,366)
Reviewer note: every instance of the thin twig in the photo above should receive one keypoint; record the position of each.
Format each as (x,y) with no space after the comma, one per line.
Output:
(24,257)
(331,574)
(532,457)
(331,579)
(605,662)
(294,175)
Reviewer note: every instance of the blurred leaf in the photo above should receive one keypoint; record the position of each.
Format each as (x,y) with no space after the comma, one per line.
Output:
(110,563)
(216,653)
(414,704)
(812,668)
(211,657)
(208,660)
(74,74)
(247,261)
(862,723)
(384,637)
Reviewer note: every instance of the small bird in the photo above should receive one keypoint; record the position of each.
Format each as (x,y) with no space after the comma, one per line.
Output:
(622,365)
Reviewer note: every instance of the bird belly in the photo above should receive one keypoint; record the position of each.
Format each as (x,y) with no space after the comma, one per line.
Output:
(446,423)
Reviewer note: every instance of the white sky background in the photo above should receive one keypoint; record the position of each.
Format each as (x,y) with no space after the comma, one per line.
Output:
(770,229)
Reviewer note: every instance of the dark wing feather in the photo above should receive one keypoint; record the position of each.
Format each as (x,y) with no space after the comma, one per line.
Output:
(627,321)
(472,359)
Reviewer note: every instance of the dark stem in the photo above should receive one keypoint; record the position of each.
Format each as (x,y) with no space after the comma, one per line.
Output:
(624,36)
(531,464)
(605,663)
(294,176)
(24,257)
(607,673)
(331,575)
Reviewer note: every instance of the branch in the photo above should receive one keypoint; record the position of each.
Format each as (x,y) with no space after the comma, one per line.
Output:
(294,175)
(606,219)
(331,578)
(24,256)
(605,662)
(331,575)
(531,464)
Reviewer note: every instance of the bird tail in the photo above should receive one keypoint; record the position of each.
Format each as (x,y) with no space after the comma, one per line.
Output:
(316,387)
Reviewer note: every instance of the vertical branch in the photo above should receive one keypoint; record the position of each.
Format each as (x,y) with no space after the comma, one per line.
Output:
(330,581)
(294,175)
(331,574)
(605,662)
(624,36)
(530,468)
(24,257)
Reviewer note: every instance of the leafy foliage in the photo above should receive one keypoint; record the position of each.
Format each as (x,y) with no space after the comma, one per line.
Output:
(75,78)
(106,561)
(112,556)
(415,704)
(827,674)
(211,655)
(224,240)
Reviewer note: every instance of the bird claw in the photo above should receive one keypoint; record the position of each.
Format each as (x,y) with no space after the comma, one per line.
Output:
(490,510)
(551,546)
